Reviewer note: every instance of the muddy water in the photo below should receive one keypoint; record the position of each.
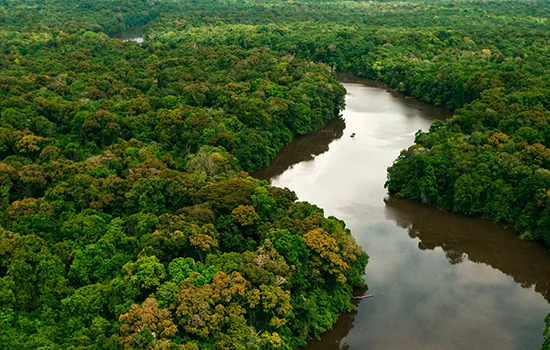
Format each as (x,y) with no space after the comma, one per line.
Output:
(440,281)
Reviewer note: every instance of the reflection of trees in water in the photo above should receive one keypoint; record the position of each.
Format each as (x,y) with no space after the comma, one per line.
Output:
(480,241)
(303,148)
(331,340)
(455,257)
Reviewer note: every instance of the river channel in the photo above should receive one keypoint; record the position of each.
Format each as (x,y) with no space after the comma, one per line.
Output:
(440,281)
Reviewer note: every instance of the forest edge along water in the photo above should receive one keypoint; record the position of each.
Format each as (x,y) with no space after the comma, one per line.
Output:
(121,167)
(439,280)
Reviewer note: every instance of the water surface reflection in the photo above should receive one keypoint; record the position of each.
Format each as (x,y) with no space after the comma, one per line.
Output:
(479,241)
(304,148)
(440,281)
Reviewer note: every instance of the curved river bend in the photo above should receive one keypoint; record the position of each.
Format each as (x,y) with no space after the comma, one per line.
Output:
(440,281)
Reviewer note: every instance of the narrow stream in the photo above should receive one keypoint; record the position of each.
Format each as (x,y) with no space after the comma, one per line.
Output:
(441,281)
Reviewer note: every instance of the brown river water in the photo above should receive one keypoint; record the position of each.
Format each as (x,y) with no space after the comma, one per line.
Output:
(440,281)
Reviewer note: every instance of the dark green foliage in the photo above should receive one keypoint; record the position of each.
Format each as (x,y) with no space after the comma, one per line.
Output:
(120,161)
(546,333)
(126,222)
(486,62)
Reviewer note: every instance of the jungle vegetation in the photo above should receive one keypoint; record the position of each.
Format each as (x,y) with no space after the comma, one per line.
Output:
(127,220)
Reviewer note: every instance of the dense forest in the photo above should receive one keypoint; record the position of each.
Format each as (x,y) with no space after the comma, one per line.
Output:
(491,159)
(127,220)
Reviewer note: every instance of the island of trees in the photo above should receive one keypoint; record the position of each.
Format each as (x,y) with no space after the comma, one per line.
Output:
(127,218)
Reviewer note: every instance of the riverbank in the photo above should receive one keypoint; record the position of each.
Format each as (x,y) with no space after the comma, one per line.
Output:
(441,280)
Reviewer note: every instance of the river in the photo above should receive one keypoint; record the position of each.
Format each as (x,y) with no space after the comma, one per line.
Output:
(440,281)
